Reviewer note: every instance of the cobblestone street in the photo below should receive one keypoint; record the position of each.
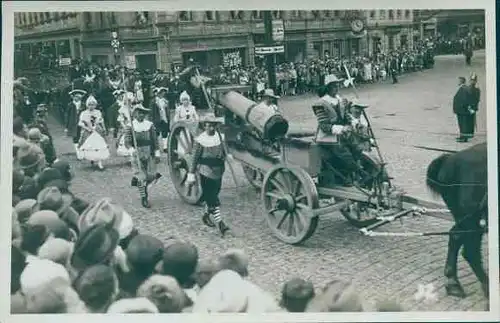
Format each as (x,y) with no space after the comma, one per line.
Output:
(415,112)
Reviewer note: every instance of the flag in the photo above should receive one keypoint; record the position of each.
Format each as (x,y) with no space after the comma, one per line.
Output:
(349,81)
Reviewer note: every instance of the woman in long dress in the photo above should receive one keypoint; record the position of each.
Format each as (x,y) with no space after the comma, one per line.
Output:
(93,147)
(124,100)
(186,112)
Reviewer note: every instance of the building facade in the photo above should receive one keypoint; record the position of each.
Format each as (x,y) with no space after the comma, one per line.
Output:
(160,39)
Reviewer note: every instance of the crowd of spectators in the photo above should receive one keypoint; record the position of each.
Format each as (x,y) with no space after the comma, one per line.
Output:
(69,255)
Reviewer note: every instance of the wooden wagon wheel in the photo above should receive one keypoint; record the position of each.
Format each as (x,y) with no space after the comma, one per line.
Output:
(254,176)
(180,148)
(289,196)
(361,214)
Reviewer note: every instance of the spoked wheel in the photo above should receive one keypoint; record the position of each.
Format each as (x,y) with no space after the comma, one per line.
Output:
(362,214)
(180,149)
(290,198)
(254,176)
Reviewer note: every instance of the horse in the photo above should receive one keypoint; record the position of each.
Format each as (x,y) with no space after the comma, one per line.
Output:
(460,179)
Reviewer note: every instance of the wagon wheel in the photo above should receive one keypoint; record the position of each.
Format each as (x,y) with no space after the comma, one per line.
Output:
(254,176)
(180,146)
(361,214)
(289,196)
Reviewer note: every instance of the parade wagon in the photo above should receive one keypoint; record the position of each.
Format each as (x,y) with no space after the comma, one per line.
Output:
(297,185)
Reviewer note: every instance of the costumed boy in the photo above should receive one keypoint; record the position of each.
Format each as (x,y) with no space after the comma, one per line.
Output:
(141,134)
(209,160)
(72,116)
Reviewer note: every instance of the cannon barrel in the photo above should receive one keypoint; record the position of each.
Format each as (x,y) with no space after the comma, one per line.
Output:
(269,123)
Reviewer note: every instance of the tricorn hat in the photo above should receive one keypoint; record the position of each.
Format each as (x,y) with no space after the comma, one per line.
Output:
(270,93)
(77,91)
(140,107)
(118,92)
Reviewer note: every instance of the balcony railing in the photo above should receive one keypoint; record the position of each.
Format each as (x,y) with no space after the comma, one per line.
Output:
(53,26)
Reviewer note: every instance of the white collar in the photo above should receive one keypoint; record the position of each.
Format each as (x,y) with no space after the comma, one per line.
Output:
(142,126)
(208,141)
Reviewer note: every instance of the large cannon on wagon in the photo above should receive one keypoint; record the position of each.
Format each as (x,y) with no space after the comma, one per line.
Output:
(287,166)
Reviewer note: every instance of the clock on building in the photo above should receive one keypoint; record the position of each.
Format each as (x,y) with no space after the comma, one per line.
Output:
(357,25)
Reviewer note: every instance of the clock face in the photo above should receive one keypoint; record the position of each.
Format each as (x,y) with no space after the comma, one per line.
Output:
(357,25)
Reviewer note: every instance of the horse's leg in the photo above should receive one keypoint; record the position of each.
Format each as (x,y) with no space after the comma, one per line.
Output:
(453,286)
(472,254)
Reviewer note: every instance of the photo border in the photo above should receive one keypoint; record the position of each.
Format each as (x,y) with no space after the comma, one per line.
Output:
(6,153)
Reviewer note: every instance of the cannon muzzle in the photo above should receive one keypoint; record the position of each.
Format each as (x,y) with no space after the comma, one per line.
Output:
(268,122)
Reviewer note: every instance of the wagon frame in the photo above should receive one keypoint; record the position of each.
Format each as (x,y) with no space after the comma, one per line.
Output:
(289,181)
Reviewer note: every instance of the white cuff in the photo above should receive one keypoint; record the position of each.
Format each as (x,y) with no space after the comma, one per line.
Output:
(337,129)
(157,153)
(190,177)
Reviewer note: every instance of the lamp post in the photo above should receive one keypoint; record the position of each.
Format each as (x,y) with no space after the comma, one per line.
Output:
(115,44)
(270,58)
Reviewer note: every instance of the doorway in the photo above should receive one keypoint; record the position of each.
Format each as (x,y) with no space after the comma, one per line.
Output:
(146,62)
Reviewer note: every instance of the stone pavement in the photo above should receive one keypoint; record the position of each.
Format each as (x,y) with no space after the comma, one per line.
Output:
(381,266)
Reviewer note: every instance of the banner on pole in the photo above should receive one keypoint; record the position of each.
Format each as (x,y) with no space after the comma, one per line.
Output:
(130,61)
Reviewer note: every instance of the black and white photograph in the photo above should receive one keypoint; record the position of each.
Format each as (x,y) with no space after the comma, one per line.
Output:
(260,160)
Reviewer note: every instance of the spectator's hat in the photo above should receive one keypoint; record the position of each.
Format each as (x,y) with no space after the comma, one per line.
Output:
(95,245)
(77,92)
(51,198)
(30,157)
(64,168)
(25,209)
(57,250)
(337,296)
(41,273)
(17,179)
(179,261)
(155,90)
(332,78)
(210,117)
(270,94)
(104,211)
(473,77)
(165,293)
(295,291)
(52,222)
(118,92)
(133,305)
(34,134)
(144,252)
(29,189)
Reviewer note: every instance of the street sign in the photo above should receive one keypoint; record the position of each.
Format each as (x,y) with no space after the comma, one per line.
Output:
(130,61)
(65,61)
(278,31)
(269,50)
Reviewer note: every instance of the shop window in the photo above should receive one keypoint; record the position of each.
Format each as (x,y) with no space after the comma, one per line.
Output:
(185,16)
(236,15)
(326,13)
(404,41)
(316,14)
(209,15)
(141,17)
(256,14)
(336,13)
(382,14)
(391,14)
(276,14)
(87,19)
(47,16)
(372,14)
(399,14)
(407,14)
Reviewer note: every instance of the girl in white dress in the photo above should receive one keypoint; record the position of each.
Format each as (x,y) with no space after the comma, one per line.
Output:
(92,145)
(186,112)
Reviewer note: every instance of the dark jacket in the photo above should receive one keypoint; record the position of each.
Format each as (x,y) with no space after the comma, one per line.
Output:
(474,97)
(461,101)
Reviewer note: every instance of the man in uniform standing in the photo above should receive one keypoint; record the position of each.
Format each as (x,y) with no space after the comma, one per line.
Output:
(461,109)
(474,98)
